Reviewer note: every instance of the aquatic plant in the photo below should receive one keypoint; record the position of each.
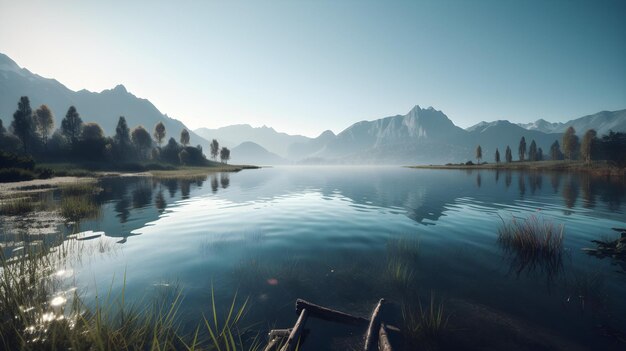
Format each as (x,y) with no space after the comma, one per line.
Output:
(532,243)
(531,236)
(79,189)
(400,274)
(17,206)
(75,208)
(34,315)
(424,322)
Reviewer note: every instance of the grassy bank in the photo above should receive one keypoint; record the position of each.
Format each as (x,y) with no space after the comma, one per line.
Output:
(595,167)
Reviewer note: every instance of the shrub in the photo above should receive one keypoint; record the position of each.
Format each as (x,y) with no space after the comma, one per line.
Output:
(15,175)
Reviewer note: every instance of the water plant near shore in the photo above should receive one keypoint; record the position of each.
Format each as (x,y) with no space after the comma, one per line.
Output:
(532,243)
(424,322)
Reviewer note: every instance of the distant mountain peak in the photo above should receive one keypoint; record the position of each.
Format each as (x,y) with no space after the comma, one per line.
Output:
(7,64)
(120,88)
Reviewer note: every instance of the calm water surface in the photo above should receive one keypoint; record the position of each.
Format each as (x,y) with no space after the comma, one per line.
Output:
(327,234)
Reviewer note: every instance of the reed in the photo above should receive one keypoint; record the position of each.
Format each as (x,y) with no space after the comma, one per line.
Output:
(17,206)
(74,208)
(32,317)
(531,236)
(424,321)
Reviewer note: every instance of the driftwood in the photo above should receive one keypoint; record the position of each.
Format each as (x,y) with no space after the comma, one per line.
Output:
(279,333)
(622,230)
(294,336)
(328,314)
(372,329)
(383,339)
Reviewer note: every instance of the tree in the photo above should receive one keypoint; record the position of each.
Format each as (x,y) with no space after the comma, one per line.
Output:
(555,151)
(225,155)
(184,137)
(122,145)
(92,141)
(159,133)
(170,152)
(44,122)
(22,125)
(142,141)
(532,151)
(522,149)
(588,144)
(570,143)
(497,156)
(479,154)
(508,155)
(72,125)
(539,154)
(215,149)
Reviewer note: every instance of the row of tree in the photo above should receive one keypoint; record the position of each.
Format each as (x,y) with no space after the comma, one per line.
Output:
(611,147)
(32,133)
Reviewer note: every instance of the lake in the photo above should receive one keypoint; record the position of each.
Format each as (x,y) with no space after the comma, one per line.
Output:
(343,237)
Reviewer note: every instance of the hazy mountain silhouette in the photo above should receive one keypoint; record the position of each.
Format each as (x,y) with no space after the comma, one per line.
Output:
(103,108)
(253,153)
(422,136)
(602,122)
(267,137)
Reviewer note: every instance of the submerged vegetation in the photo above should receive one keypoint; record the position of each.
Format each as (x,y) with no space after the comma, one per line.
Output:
(532,242)
(37,312)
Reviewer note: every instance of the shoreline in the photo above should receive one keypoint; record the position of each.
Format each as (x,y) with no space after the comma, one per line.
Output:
(599,168)
(82,176)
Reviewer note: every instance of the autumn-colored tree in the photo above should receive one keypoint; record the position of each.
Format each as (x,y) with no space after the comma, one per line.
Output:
(570,143)
(587,145)
(44,122)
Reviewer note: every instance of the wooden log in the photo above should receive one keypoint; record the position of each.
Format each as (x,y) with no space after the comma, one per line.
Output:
(279,333)
(370,335)
(294,336)
(383,339)
(328,314)
(270,345)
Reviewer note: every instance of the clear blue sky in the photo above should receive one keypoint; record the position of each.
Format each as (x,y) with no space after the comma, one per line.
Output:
(306,66)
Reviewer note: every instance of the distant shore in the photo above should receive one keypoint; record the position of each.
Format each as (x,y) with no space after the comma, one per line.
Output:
(602,168)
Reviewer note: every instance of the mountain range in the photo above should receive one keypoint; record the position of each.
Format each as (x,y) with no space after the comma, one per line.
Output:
(422,136)
(104,107)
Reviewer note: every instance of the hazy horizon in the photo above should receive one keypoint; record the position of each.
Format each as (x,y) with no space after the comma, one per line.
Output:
(305,67)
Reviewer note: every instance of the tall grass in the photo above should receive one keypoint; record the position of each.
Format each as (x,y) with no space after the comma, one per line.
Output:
(424,321)
(17,206)
(531,235)
(35,314)
(533,242)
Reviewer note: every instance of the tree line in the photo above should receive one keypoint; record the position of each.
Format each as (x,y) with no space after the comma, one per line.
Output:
(32,133)
(610,147)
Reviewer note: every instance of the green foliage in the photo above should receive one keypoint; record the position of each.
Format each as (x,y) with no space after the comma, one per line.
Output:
(508,155)
(497,157)
(215,149)
(531,236)
(159,133)
(224,155)
(16,206)
(555,151)
(142,141)
(532,151)
(71,126)
(23,125)
(184,137)
(9,160)
(424,322)
(479,154)
(522,149)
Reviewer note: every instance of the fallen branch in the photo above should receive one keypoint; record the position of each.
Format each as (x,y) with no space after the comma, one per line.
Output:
(321,312)
(370,336)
